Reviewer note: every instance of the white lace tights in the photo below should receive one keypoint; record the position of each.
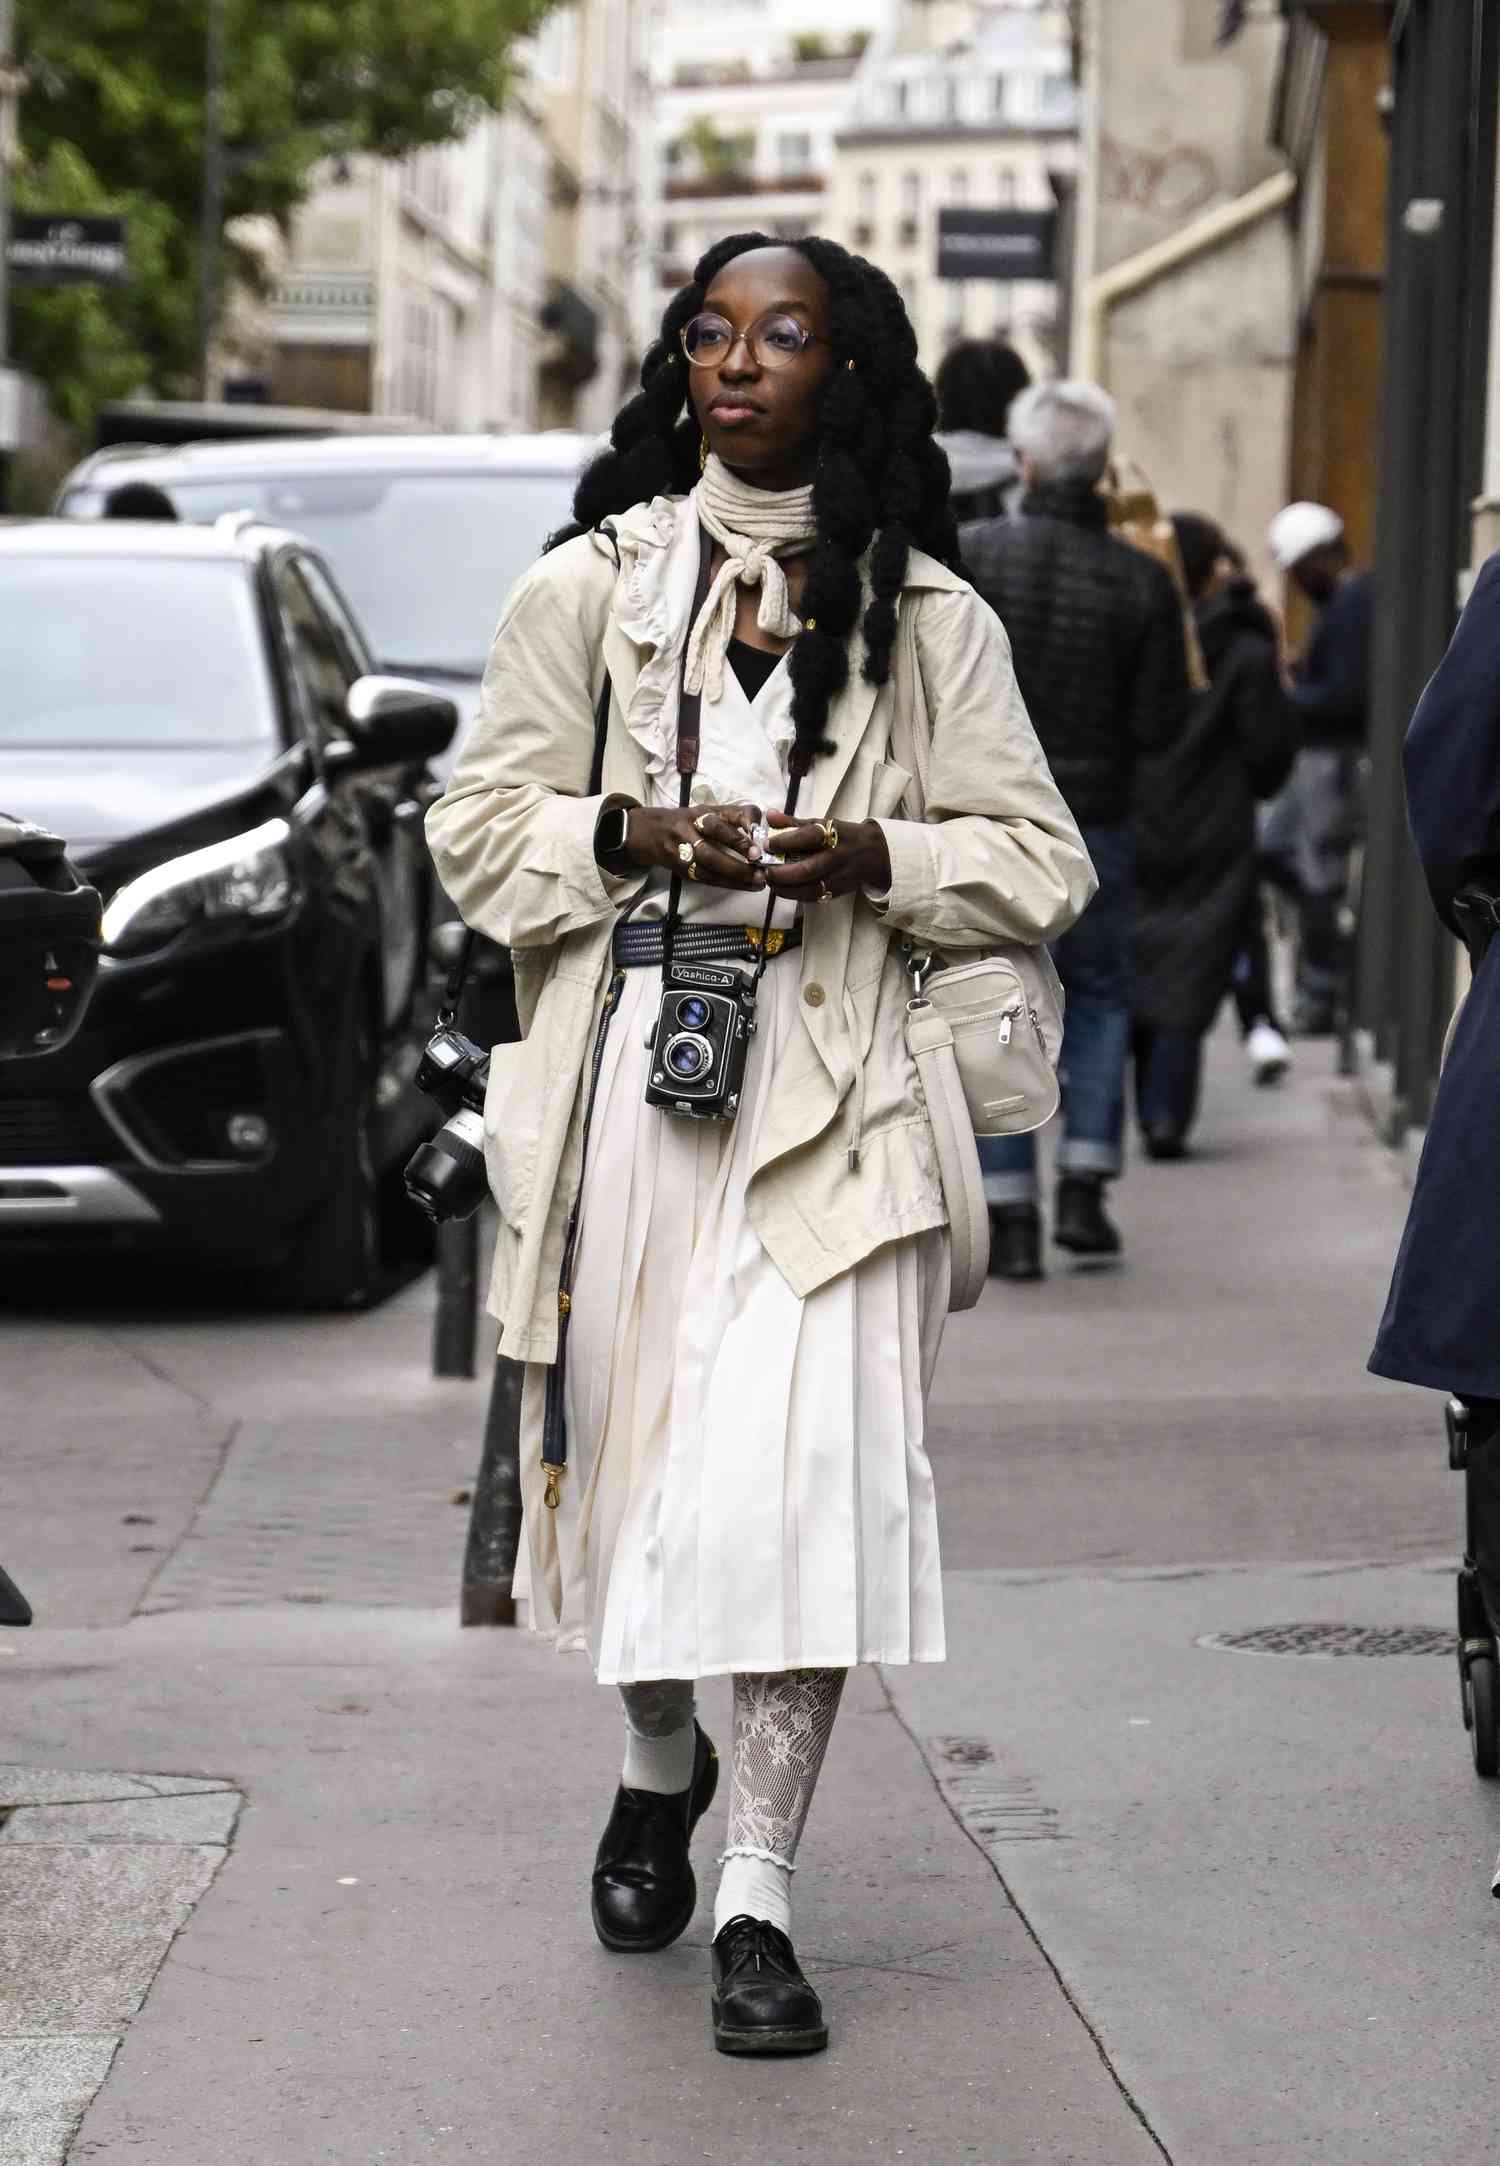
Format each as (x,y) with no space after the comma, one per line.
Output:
(783,1720)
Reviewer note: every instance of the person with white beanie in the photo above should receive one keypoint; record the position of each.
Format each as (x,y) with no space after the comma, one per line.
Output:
(1315,821)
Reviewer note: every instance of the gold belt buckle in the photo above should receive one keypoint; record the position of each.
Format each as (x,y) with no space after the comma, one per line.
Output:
(774,941)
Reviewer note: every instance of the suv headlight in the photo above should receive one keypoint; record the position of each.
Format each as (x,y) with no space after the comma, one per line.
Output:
(246,877)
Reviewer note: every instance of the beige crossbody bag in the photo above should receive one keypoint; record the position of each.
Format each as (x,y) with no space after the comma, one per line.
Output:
(985,1033)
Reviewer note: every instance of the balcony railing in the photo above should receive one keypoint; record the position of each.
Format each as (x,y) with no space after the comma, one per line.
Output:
(744,184)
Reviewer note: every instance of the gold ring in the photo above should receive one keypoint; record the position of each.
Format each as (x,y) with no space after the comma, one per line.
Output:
(830,834)
(825,892)
(691,868)
(701,823)
(685,856)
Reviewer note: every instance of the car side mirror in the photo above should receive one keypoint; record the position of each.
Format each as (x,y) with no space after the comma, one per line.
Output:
(394,722)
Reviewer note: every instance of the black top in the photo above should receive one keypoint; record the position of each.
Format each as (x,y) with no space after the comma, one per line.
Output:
(1331,690)
(1097,635)
(752,665)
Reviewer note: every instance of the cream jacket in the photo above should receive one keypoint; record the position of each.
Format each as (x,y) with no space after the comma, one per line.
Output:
(845,1159)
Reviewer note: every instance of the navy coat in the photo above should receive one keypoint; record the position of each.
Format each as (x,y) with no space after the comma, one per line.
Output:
(1442,1321)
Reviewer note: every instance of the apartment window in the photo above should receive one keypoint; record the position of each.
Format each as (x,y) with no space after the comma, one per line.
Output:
(794,153)
(950,98)
(911,207)
(958,186)
(669,242)
(997,95)
(900,99)
(868,185)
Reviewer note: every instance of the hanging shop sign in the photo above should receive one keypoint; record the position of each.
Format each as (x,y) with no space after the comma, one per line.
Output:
(996,244)
(60,248)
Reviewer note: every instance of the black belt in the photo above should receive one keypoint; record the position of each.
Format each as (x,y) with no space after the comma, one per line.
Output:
(638,943)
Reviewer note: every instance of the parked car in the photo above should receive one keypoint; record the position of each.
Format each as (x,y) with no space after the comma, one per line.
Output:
(196,708)
(427,533)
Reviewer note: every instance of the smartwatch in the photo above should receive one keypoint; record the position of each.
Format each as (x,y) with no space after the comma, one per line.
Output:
(611,835)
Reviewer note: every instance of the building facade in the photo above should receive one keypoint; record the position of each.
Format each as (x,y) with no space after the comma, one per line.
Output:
(589,74)
(415,287)
(1185,294)
(963,108)
(501,282)
(748,102)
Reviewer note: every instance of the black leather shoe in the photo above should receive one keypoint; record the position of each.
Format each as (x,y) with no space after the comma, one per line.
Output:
(644,1892)
(1081,1222)
(1015,1241)
(1165,1144)
(761,2001)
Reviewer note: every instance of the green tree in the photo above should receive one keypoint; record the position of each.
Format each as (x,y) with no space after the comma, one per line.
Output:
(113,119)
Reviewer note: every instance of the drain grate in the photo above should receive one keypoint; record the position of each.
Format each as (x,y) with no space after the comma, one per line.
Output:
(1334,1639)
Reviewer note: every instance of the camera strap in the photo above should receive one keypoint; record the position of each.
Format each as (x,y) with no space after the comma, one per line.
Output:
(689,735)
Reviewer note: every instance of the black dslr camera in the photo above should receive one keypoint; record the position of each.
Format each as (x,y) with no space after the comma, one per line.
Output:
(703,1033)
(445,1177)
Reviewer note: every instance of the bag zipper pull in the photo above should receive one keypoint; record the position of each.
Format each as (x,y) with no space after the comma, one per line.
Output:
(1007,1025)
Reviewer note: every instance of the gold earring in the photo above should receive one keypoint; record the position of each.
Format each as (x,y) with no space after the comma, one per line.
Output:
(702,453)
(848,364)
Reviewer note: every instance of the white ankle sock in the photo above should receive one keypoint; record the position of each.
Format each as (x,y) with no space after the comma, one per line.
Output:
(754,1888)
(660,1763)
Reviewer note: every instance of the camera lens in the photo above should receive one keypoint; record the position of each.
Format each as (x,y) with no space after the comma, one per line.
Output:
(693,1013)
(689,1058)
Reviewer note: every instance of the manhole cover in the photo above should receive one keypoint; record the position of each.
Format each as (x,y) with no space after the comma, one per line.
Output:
(1335,1639)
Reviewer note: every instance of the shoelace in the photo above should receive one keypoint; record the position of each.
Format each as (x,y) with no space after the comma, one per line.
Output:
(739,1930)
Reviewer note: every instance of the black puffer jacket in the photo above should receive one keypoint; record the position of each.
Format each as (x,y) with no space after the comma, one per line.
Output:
(1096,630)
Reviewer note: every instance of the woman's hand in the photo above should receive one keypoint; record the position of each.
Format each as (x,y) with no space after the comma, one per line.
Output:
(719,836)
(813,872)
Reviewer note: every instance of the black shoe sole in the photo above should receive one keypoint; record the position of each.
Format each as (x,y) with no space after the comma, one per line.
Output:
(730,2040)
(708,1783)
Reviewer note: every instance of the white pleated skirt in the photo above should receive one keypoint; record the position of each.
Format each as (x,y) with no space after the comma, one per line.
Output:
(748,1484)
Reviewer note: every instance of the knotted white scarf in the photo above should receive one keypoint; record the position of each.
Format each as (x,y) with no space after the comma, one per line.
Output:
(753,527)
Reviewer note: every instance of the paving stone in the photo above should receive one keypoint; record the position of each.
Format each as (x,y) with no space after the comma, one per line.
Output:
(45,2087)
(206,1818)
(70,1786)
(86,1926)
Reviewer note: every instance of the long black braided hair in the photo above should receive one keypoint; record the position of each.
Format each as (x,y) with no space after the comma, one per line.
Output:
(880,477)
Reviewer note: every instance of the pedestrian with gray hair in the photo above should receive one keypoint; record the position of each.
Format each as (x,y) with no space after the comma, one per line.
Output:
(1096,633)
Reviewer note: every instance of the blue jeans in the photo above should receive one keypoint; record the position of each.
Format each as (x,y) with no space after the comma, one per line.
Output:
(1094,962)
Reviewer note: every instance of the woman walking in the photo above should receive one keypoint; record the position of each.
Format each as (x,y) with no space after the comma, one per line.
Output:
(730,1323)
(1195,834)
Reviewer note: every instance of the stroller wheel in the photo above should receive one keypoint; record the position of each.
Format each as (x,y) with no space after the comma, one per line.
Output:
(1481,1690)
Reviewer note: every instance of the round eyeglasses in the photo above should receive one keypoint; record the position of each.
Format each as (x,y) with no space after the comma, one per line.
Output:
(773,341)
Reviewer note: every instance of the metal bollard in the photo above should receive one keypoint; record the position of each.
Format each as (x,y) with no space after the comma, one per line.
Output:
(495,1521)
(455,1322)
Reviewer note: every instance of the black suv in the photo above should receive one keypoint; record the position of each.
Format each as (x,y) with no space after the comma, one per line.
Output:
(196,710)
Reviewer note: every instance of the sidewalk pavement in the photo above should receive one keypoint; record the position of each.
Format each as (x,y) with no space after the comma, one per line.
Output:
(1090,1894)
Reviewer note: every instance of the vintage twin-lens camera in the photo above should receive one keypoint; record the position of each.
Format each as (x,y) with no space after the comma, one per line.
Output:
(703,1034)
(445,1177)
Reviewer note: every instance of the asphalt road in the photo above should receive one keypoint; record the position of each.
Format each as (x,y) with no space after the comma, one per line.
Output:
(1092,1891)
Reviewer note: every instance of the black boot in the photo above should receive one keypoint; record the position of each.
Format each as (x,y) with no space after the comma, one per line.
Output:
(1164,1143)
(644,1890)
(1015,1241)
(1081,1222)
(761,2002)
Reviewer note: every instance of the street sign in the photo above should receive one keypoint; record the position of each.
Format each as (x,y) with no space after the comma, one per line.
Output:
(59,248)
(996,244)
